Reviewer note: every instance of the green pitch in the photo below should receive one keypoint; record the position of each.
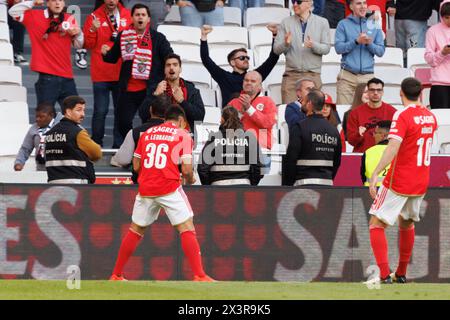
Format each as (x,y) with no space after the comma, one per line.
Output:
(185,290)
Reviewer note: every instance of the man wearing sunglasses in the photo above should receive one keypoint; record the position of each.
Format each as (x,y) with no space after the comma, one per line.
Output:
(230,83)
(304,38)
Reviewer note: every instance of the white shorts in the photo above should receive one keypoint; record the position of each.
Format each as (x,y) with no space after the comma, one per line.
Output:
(388,206)
(175,204)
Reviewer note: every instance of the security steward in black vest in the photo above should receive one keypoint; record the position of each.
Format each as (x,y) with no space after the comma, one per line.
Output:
(314,152)
(69,151)
(230,156)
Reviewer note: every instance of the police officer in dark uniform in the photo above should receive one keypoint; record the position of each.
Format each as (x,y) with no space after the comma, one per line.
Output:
(69,151)
(230,156)
(314,151)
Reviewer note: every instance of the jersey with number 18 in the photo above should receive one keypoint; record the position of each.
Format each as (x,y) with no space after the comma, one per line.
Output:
(409,173)
(160,149)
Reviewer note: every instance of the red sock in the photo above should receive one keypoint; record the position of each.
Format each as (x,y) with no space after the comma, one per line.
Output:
(406,244)
(191,250)
(380,250)
(129,244)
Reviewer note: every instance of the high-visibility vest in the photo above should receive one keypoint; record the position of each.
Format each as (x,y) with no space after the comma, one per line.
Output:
(373,157)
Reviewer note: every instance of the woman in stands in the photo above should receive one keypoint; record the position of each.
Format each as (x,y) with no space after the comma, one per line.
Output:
(230,156)
(329,112)
(361,96)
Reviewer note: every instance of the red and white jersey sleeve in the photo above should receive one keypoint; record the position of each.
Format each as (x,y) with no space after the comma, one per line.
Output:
(409,173)
(161,148)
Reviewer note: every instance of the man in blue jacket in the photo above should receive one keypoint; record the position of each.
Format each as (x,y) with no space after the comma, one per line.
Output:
(358,39)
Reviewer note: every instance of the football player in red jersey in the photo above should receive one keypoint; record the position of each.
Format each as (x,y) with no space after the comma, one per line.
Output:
(156,158)
(406,182)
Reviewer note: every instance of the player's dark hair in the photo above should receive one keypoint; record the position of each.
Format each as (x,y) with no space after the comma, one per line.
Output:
(174,112)
(384,124)
(233,53)
(411,88)
(375,81)
(46,107)
(445,10)
(317,99)
(172,56)
(70,102)
(231,119)
(140,6)
(160,105)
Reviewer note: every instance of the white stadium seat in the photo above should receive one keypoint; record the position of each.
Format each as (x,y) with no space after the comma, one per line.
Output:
(274,77)
(229,37)
(342,109)
(274,91)
(13,94)
(329,78)
(332,58)
(10,75)
(261,54)
(332,36)
(392,78)
(274,3)
(6,54)
(259,36)
(263,16)
(180,34)
(11,137)
(4,33)
(232,16)
(14,113)
(212,115)
(187,52)
(416,58)
(208,97)
(442,136)
(197,74)
(3,13)
(391,57)
(173,17)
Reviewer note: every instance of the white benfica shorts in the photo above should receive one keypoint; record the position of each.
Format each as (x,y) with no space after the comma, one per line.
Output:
(175,204)
(388,206)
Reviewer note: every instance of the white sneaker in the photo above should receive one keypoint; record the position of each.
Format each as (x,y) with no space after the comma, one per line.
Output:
(19,59)
(80,58)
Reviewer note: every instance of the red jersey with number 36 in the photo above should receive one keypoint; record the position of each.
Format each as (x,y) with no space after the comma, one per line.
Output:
(409,174)
(160,149)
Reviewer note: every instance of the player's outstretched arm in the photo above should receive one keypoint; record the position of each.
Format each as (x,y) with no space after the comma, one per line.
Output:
(388,155)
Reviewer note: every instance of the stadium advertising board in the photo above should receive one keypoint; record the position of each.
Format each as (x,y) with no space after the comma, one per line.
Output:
(254,234)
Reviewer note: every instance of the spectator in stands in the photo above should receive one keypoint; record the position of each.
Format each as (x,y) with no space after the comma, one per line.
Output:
(258,113)
(319,7)
(102,27)
(230,83)
(334,12)
(18,36)
(358,43)
(296,111)
(181,92)
(46,118)
(52,33)
(363,119)
(230,156)
(361,96)
(158,8)
(124,155)
(196,13)
(329,111)
(372,156)
(303,38)
(69,151)
(244,4)
(142,50)
(411,18)
(313,155)
(437,55)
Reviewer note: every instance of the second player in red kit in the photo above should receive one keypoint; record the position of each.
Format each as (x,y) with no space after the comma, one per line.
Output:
(159,151)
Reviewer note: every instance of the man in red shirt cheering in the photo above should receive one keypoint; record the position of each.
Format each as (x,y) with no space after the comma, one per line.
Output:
(52,33)
(363,119)
(159,151)
(406,182)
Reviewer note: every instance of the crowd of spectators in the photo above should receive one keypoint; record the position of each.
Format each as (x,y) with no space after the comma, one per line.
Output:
(136,65)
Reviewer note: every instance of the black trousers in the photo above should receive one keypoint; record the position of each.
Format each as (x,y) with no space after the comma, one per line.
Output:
(334,12)
(129,103)
(440,97)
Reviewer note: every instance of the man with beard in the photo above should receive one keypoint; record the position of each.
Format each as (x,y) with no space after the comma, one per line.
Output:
(69,151)
(142,50)
(52,33)
(296,111)
(181,92)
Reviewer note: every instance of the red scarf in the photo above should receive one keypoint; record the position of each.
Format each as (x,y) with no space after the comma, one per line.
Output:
(138,50)
(169,93)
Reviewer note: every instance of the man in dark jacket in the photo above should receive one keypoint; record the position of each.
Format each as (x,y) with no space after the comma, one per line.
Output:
(230,83)
(142,50)
(313,156)
(181,92)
